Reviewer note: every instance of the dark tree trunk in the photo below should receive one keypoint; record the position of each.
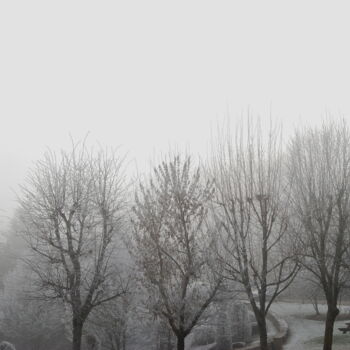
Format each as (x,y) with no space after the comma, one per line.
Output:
(180,341)
(169,345)
(124,340)
(77,333)
(332,314)
(262,333)
(315,305)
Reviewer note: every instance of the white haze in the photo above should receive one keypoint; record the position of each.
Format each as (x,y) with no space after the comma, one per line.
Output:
(149,74)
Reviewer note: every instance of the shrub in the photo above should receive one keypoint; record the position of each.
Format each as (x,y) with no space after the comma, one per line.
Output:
(203,335)
(90,342)
(6,346)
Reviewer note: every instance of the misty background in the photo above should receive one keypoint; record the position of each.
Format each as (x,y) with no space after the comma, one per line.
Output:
(100,250)
(150,74)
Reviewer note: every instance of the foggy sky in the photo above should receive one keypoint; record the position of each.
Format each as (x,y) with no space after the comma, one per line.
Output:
(149,74)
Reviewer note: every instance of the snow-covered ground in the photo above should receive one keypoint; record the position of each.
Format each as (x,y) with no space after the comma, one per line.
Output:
(302,330)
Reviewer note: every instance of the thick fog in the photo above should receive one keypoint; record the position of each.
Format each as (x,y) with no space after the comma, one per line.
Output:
(94,95)
(148,74)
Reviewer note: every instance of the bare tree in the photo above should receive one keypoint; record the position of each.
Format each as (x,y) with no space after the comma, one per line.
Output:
(172,245)
(72,210)
(251,208)
(320,166)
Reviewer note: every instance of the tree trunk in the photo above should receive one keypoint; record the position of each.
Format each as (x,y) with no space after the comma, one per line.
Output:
(124,340)
(315,305)
(180,342)
(169,345)
(77,333)
(332,314)
(317,309)
(262,333)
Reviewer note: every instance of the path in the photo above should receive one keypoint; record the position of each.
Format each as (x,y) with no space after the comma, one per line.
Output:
(301,330)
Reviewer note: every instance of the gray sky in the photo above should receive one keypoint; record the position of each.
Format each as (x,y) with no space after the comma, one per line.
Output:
(148,74)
